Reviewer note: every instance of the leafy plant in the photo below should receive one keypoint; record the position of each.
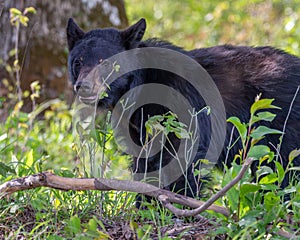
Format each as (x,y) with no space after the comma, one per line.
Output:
(258,205)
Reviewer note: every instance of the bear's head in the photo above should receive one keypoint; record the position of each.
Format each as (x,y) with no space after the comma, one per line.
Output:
(88,50)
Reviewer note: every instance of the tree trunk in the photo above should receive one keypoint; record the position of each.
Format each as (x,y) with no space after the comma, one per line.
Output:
(43,45)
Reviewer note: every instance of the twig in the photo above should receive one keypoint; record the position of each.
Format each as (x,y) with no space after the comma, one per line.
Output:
(184,212)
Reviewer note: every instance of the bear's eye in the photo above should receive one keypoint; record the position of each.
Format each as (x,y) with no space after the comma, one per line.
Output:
(76,68)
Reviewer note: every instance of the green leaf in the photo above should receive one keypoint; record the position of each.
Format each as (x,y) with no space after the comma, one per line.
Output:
(15,12)
(29,158)
(249,188)
(258,151)
(263,171)
(263,116)
(149,128)
(271,178)
(261,131)
(117,68)
(280,171)
(221,230)
(55,237)
(74,225)
(269,157)
(35,85)
(271,200)
(24,20)
(8,68)
(262,104)
(241,127)
(270,214)
(158,127)
(29,10)
(156,118)
(102,95)
(204,161)
(12,52)
(182,133)
(233,199)
(233,193)
(293,154)
(23,117)
(269,187)
(92,230)
(92,225)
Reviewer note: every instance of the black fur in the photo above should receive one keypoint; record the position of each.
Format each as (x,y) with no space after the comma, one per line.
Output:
(240,73)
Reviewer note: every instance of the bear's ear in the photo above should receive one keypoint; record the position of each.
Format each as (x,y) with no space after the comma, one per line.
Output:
(74,33)
(134,34)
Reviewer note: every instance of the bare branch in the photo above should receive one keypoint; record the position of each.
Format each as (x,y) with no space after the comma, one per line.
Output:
(47,179)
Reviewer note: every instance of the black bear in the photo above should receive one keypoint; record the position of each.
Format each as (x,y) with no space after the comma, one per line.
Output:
(239,72)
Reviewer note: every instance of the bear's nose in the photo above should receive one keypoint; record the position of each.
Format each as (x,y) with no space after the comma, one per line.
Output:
(84,88)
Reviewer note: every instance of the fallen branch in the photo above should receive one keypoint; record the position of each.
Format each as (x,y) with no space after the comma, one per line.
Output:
(47,179)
